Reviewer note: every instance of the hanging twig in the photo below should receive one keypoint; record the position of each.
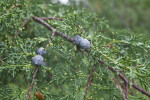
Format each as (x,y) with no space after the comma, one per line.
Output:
(53,33)
(127,88)
(89,81)
(81,51)
(33,77)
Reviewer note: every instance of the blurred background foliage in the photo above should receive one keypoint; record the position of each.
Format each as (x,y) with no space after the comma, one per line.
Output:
(132,15)
(121,23)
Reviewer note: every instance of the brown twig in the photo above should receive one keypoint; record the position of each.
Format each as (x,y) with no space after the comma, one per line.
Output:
(127,88)
(127,81)
(49,42)
(51,28)
(100,61)
(53,34)
(138,65)
(51,18)
(23,25)
(141,90)
(81,51)
(13,6)
(25,22)
(50,39)
(33,77)
(89,81)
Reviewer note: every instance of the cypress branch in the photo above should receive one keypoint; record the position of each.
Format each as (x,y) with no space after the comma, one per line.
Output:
(110,68)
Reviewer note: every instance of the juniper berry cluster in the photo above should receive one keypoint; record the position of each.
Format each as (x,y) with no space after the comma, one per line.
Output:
(83,43)
(38,59)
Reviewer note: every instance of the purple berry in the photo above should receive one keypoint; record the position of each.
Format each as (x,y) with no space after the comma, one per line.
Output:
(77,39)
(85,44)
(38,60)
(41,51)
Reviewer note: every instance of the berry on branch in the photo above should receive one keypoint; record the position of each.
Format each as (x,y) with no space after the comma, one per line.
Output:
(77,39)
(41,51)
(83,43)
(38,60)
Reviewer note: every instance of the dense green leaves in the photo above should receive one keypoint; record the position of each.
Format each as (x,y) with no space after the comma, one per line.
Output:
(67,71)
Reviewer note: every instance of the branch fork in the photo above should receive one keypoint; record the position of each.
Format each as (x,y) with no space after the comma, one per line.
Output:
(49,27)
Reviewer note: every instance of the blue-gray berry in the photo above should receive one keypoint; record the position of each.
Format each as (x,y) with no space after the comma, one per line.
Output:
(85,44)
(38,60)
(77,39)
(41,51)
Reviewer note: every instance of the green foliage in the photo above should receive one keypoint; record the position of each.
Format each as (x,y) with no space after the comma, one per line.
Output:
(125,14)
(66,74)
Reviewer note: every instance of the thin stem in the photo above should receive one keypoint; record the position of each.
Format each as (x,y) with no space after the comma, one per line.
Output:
(89,81)
(141,90)
(51,18)
(13,6)
(53,33)
(33,77)
(133,84)
(50,39)
(23,25)
(81,51)
(127,88)
(49,27)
